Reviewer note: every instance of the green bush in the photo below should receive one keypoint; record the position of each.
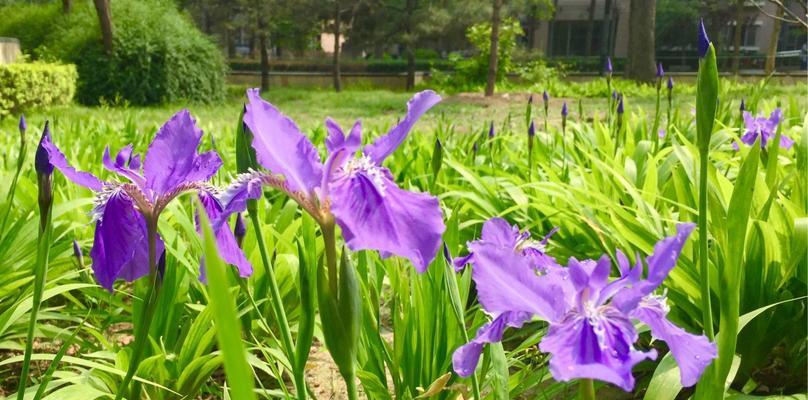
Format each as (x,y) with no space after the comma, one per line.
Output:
(159,55)
(30,85)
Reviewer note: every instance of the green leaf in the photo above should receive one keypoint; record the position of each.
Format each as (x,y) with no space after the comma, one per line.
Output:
(228,330)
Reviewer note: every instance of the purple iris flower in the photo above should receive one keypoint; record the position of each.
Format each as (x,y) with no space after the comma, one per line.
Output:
(564,111)
(23,125)
(590,334)
(354,190)
(171,167)
(659,71)
(620,105)
(609,68)
(704,41)
(531,130)
(545,96)
(491,130)
(670,82)
(764,127)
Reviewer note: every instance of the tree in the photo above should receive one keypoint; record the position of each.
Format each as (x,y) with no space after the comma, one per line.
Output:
(590,27)
(494,51)
(771,54)
(736,40)
(337,46)
(105,21)
(641,53)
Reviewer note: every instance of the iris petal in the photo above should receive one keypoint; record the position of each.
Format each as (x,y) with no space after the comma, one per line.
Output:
(385,145)
(225,241)
(376,214)
(58,160)
(336,137)
(120,249)
(172,157)
(466,357)
(280,146)
(595,348)
(120,165)
(693,353)
(499,232)
(506,282)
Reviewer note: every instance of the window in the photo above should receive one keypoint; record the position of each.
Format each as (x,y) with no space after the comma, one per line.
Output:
(569,38)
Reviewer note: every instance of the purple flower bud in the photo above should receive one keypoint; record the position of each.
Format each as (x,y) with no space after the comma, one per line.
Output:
(446,254)
(23,125)
(659,71)
(609,68)
(564,111)
(743,106)
(670,82)
(545,97)
(704,41)
(475,148)
(42,163)
(614,95)
(161,265)
(531,130)
(491,130)
(620,105)
(239,229)
(77,253)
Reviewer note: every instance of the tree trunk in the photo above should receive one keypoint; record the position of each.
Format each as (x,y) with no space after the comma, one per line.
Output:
(67,6)
(494,50)
(105,21)
(771,53)
(262,39)
(230,39)
(337,74)
(590,28)
(410,69)
(410,44)
(641,57)
(605,48)
(736,40)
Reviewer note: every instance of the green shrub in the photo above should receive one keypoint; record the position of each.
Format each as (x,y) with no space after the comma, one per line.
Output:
(32,24)
(159,55)
(30,85)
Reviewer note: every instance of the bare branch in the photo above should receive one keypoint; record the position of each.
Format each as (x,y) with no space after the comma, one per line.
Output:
(796,21)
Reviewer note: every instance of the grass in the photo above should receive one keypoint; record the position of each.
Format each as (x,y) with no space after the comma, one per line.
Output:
(614,196)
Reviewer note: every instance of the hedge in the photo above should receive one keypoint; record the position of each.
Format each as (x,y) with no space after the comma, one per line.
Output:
(158,56)
(27,85)
(396,66)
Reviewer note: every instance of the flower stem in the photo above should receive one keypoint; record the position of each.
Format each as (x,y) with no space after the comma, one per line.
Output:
(330,244)
(40,275)
(655,130)
(149,307)
(587,389)
(350,385)
(706,307)
(276,301)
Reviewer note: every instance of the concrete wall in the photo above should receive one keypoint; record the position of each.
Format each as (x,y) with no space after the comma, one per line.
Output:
(9,50)
(578,10)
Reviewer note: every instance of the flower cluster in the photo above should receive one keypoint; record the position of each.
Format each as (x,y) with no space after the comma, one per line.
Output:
(764,128)
(591,334)
(124,210)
